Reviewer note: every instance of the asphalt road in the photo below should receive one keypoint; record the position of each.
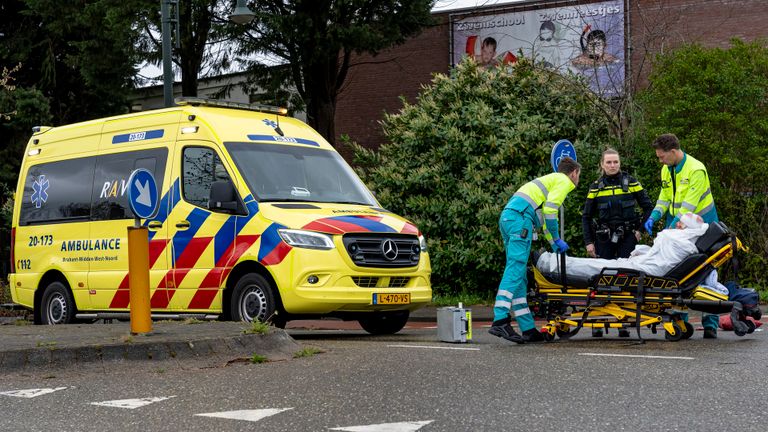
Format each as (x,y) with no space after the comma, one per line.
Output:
(419,383)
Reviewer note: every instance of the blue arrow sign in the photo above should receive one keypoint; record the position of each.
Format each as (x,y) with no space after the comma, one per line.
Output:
(142,194)
(560,150)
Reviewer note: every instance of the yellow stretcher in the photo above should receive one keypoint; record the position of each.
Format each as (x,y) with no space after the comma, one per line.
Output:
(624,298)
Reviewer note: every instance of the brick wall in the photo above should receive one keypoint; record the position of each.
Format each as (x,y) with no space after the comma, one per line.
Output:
(375,84)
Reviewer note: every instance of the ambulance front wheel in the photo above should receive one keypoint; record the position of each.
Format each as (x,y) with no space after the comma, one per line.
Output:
(57,305)
(253,299)
(384,323)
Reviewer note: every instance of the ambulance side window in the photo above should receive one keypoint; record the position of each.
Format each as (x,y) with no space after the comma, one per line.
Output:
(201,167)
(110,182)
(58,192)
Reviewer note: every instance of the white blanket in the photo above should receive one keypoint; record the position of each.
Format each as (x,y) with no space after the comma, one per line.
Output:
(669,248)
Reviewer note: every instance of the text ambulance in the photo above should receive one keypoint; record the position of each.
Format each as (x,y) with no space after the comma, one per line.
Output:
(260,219)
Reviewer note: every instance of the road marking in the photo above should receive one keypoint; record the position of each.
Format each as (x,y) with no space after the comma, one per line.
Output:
(637,356)
(433,347)
(386,427)
(30,393)
(247,415)
(131,403)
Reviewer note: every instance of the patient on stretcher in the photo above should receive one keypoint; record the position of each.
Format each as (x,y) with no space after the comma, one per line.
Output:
(670,247)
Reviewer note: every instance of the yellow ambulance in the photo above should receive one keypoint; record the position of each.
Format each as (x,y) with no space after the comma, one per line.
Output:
(259,219)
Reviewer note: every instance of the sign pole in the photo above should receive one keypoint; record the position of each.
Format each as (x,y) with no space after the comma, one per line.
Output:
(142,199)
(560,150)
(138,279)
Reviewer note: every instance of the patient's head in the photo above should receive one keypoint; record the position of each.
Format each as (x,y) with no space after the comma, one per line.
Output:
(689,220)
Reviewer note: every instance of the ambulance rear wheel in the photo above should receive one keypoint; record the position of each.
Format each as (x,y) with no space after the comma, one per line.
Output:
(57,306)
(253,299)
(384,323)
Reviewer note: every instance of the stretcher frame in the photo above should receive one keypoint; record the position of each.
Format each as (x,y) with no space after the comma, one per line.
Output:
(620,298)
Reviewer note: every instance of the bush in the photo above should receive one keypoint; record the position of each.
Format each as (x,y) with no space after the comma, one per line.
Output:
(713,99)
(457,155)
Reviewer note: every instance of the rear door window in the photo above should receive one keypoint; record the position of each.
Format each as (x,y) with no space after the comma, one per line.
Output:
(110,183)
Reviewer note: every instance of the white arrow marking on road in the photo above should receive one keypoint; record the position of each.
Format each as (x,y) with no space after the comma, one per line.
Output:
(247,415)
(131,403)
(433,347)
(145,197)
(30,393)
(387,427)
(637,356)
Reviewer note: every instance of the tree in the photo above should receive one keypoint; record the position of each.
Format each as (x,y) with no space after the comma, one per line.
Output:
(203,39)
(316,39)
(457,155)
(77,63)
(713,99)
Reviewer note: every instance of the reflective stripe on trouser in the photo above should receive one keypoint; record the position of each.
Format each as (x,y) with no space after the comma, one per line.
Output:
(513,287)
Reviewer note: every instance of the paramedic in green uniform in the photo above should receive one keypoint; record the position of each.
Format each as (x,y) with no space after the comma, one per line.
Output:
(517,222)
(684,189)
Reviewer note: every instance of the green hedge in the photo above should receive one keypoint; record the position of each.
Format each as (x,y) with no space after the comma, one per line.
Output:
(458,154)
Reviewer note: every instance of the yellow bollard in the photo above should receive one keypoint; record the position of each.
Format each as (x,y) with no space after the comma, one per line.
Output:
(138,279)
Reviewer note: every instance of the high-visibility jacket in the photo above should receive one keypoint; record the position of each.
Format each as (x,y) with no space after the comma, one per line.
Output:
(685,189)
(546,194)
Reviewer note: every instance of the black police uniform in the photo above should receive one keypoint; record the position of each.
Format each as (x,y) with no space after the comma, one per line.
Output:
(609,218)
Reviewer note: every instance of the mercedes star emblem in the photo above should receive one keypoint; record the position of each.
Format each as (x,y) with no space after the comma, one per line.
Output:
(389,249)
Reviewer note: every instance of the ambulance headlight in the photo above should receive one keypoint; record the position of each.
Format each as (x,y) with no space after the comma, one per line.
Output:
(306,239)
(423,243)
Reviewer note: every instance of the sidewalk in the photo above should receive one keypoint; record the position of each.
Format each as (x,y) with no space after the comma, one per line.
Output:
(25,348)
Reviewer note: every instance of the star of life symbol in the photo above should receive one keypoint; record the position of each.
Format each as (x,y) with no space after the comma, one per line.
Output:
(270,123)
(40,186)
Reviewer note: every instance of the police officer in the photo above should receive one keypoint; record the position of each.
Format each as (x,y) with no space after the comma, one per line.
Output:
(684,189)
(610,222)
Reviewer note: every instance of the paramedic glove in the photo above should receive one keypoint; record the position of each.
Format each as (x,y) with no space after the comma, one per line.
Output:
(561,246)
(649,225)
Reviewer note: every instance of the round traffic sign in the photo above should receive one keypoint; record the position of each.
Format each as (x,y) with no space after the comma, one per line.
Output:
(560,150)
(142,194)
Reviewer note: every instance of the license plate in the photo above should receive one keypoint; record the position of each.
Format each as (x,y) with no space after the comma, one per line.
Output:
(391,298)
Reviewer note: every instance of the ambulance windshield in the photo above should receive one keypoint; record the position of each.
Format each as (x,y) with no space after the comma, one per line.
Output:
(276,172)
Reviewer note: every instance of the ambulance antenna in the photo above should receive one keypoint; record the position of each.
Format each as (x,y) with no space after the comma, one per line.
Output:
(277,128)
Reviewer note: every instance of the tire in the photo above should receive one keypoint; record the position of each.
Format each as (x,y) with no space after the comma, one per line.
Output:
(253,298)
(57,305)
(688,332)
(384,323)
(677,336)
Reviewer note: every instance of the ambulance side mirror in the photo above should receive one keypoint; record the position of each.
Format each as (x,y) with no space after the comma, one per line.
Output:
(223,197)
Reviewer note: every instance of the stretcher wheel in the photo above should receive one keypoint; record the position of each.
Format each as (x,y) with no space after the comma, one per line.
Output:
(674,337)
(548,337)
(751,326)
(688,332)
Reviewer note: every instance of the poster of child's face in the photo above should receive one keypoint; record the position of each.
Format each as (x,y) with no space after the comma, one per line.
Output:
(586,39)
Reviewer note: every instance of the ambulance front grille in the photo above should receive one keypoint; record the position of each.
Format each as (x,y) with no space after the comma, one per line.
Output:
(373,281)
(365,281)
(383,250)
(398,281)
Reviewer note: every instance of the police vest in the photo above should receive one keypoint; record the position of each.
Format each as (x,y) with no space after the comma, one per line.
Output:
(613,199)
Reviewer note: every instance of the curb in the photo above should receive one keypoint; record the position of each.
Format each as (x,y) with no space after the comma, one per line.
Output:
(275,345)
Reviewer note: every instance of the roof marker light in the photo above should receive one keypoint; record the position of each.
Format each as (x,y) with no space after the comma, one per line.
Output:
(34,152)
(189,129)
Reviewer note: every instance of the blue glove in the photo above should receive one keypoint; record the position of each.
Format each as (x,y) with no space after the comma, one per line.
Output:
(561,246)
(649,225)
